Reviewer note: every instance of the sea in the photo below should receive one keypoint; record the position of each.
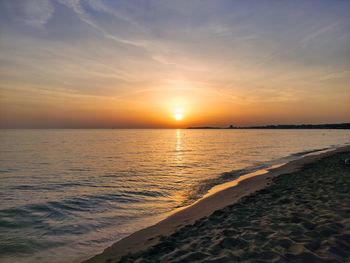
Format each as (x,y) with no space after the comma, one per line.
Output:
(67,194)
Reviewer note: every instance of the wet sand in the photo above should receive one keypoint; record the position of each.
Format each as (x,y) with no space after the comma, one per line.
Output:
(298,212)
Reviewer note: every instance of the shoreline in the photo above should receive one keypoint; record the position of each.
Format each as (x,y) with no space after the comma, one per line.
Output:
(224,195)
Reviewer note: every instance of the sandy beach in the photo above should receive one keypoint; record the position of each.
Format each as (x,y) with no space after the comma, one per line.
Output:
(298,212)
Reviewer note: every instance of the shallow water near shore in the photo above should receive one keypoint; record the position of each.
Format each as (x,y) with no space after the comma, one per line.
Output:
(74,192)
(301,216)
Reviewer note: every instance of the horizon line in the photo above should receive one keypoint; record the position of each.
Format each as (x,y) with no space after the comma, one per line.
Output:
(229,126)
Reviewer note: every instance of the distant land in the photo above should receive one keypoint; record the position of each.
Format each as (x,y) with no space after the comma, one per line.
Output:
(283,126)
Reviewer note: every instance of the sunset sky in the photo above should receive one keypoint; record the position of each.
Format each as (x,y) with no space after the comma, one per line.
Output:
(71,63)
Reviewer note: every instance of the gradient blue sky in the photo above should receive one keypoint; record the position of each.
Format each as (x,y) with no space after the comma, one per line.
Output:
(71,63)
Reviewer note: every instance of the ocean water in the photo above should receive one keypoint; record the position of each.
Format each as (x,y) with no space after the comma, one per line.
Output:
(68,194)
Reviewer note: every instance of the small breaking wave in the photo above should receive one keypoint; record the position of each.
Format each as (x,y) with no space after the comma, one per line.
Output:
(203,187)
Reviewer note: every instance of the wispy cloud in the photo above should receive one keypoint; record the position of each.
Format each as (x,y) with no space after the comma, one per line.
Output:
(317,33)
(34,13)
(78,8)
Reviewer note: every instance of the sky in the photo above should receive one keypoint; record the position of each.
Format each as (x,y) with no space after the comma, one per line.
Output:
(173,64)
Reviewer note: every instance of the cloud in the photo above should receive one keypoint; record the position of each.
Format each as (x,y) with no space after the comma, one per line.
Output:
(321,31)
(34,13)
(84,16)
(100,6)
(336,75)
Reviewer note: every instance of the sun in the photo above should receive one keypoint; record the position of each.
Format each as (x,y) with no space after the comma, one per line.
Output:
(178,114)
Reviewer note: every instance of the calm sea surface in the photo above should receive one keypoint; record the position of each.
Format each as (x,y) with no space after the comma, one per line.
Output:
(67,194)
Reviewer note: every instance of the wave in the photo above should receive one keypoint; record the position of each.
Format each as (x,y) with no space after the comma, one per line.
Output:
(39,214)
(203,187)
(8,170)
(309,151)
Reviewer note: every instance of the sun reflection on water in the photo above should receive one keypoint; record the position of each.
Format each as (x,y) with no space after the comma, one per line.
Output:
(178,147)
